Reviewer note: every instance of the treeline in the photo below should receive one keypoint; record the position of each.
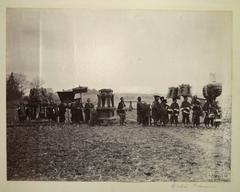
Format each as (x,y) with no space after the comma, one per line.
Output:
(17,88)
(21,89)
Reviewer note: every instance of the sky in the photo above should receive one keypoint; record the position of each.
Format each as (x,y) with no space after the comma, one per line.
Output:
(133,51)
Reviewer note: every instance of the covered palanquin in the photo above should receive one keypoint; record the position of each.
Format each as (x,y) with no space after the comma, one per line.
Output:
(105,107)
(212,91)
(66,96)
(173,92)
(176,92)
(185,90)
(71,95)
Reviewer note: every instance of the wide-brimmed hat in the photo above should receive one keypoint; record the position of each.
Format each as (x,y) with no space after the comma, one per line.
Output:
(156,96)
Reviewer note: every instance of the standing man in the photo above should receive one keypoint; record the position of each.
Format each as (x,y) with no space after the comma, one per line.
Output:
(55,112)
(145,114)
(164,112)
(68,114)
(206,109)
(161,107)
(185,108)
(155,109)
(121,110)
(73,112)
(87,110)
(218,115)
(174,112)
(50,111)
(62,110)
(79,111)
(210,113)
(139,110)
(197,111)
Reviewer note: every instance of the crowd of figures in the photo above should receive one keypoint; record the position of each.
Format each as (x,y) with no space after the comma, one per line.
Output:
(161,114)
(65,112)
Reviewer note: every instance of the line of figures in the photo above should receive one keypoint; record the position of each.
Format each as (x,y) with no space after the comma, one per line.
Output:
(157,114)
(65,112)
(161,114)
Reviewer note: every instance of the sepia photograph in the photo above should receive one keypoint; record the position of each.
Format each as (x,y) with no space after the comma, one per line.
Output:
(118,95)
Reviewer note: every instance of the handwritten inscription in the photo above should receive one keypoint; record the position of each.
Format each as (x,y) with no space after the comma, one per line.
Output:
(189,185)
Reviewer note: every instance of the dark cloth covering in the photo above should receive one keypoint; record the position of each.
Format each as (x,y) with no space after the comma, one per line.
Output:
(62,110)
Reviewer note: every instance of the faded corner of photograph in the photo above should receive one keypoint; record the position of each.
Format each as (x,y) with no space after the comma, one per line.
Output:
(118,95)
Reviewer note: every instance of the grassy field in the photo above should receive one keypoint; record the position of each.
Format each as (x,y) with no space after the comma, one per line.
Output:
(118,153)
(133,153)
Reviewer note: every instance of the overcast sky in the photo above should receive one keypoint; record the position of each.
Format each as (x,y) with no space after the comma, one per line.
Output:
(126,50)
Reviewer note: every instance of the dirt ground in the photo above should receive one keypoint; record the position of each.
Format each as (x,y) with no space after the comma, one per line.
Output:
(118,153)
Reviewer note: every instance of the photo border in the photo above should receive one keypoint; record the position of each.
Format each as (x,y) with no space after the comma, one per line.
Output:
(178,5)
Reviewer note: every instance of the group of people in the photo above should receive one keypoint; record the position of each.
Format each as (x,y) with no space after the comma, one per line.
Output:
(157,114)
(73,112)
(65,112)
(160,113)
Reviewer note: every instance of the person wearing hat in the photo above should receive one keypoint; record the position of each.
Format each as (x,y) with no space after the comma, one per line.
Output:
(210,113)
(161,98)
(73,112)
(174,112)
(161,107)
(185,108)
(164,112)
(87,109)
(156,109)
(121,110)
(79,111)
(197,111)
(139,110)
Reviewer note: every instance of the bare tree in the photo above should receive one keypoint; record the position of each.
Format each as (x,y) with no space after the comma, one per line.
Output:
(36,83)
(22,82)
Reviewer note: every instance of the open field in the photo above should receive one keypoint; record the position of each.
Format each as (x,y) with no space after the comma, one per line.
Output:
(113,153)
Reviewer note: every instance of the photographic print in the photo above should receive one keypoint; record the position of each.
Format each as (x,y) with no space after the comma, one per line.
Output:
(118,95)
